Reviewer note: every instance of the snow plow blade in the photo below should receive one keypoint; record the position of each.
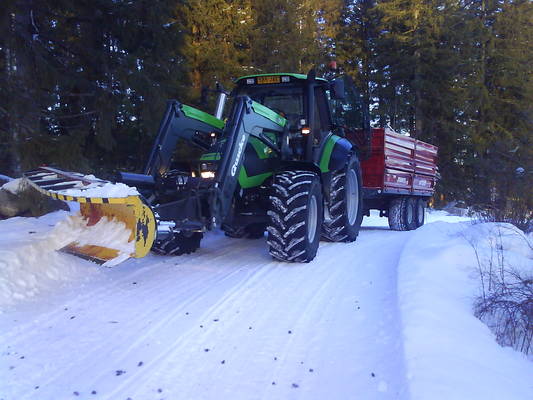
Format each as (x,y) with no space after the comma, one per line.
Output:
(116,224)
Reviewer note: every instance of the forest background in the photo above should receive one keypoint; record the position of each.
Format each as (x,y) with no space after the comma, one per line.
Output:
(83,84)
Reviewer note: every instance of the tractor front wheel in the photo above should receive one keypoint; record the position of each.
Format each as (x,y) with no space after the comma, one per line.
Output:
(178,243)
(296,215)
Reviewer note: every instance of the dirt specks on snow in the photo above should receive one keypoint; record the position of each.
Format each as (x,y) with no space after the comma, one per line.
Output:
(140,364)
(295,385)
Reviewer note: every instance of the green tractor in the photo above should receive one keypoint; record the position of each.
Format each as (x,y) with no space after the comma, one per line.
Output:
(277,162)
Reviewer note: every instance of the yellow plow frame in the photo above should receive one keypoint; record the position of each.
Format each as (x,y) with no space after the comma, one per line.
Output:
(131,210)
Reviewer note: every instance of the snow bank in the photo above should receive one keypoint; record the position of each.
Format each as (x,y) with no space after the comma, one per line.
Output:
(30,262)
(449,353)
(13,186)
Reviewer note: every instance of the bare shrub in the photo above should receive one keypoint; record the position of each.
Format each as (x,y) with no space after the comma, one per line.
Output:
(517,212)
(506,300)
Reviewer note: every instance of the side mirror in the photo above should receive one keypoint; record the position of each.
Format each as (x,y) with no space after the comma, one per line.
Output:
(337,89)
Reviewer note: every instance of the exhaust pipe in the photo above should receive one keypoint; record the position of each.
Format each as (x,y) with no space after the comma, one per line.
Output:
(221,101)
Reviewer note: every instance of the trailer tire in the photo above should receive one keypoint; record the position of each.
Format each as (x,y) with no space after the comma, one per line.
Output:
(179,243)
(420,212)
(396,214)
(346,204)
(411,213)
(295,216)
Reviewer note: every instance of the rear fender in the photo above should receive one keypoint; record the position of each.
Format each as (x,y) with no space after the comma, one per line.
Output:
(335,153)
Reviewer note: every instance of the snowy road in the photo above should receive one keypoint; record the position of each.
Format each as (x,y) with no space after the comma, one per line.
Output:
(225,322)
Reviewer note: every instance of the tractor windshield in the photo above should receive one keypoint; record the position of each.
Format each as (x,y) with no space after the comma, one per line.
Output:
(288,101)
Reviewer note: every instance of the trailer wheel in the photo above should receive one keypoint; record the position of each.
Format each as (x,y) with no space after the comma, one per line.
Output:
(296,215)
(179,243)
(411,213)
(420,212)
(346,204)
(397,214)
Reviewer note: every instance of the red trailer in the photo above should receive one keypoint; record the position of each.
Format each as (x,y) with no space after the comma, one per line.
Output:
(399,177)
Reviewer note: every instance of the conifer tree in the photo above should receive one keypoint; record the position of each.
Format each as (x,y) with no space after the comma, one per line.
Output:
(285,35)
(216,48)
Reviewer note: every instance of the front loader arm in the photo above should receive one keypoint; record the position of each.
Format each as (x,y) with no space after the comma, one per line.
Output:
(180,121)
(247,118)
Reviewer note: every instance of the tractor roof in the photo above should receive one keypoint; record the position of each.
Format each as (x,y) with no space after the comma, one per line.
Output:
(296,76)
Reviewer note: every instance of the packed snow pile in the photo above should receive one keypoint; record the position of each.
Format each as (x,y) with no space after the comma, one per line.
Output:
(30,262)
(106,233)
(450,354)
(107,189)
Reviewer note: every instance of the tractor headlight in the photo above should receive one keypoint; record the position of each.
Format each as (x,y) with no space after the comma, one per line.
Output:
(207,170)
(207,174)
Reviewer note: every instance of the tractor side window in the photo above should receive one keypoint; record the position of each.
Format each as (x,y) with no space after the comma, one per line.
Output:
(321,110)
(348,112)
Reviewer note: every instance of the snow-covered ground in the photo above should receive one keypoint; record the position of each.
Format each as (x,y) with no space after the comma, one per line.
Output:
(386,317)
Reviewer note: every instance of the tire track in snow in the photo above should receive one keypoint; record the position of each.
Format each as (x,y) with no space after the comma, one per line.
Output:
(247,280)
(196,291)
(189,337)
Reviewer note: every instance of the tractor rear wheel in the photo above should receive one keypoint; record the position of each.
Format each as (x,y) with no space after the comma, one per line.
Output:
(346,204)
(296,215)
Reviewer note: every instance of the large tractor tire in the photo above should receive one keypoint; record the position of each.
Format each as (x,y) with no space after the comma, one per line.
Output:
(296,215)
(346,204)
(179,243)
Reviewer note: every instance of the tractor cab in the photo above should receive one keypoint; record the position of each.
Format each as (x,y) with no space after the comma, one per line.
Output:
(314,108)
